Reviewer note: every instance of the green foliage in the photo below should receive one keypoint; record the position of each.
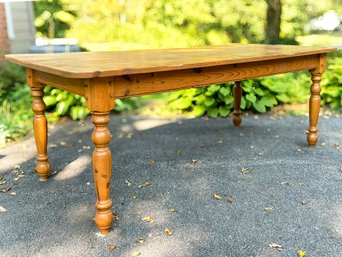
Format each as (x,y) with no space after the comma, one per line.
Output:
(61,103)
(259,95)
(53,18)
(15,105)
(332,85)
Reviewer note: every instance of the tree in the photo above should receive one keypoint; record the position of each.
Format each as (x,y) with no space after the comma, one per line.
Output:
(273,21)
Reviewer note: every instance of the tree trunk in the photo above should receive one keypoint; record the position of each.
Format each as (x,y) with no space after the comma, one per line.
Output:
(272,30)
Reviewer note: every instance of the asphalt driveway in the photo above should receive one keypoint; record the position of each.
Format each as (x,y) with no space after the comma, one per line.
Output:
(204,187)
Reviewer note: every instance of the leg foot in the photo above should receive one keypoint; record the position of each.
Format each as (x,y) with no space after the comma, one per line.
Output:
(40,133)
(314,106)
(102,169)
(237,91)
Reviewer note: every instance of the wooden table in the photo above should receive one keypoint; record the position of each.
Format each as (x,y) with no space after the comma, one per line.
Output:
(102,77)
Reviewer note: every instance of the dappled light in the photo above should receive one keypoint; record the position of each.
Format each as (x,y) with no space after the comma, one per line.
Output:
(74,168)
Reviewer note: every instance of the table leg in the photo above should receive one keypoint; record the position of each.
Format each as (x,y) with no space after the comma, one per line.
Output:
(237,91)
(40,132)
(314,106)
(102,169)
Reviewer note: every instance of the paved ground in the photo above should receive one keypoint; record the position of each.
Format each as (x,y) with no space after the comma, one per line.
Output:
(289,195)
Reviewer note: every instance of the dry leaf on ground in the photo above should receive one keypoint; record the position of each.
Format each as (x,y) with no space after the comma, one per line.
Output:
(276,246)
(145,184)
(135,254)
(152,162)
(5,190)
(112,246)
(230,199)
(268,208)
(139,241)
(245,170)
(302,253)
(217,196)
(148,219)
(129,183)
(2,209)
(168,232)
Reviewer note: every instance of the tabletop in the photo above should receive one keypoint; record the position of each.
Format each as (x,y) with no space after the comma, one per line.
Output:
(103,64)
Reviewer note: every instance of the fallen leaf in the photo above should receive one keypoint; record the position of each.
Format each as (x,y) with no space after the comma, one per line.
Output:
(276,246)
(337,146)
(112,246)
(173,210)
(217,197)
(220,142)
(245,170)
(129,184)
(135,254)
(148,219)
(168,232)
(139,241)
(202,146)
(145,184)
(152,162)
(305,202)
(13,194)
(268,208)
(135,197)
(5,190)
(115,216)
(2,209)
(302,253)
(230,199)
(2,182)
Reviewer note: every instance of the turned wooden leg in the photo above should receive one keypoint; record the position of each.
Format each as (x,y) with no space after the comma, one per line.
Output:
(237,91)
(102,169)
(314,107)
(40,132)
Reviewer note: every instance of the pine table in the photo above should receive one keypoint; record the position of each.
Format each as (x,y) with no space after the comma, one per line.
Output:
(102,77)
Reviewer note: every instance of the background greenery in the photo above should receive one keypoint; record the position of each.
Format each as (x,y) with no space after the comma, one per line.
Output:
(131,24)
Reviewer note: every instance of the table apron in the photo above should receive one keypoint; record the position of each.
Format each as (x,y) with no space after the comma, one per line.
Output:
(141,84)
(155,82)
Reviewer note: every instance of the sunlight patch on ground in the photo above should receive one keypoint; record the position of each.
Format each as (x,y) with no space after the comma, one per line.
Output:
(146,124)
(74,168)
(337,220)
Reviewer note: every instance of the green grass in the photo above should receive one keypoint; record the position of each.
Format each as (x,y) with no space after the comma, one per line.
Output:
(324,39)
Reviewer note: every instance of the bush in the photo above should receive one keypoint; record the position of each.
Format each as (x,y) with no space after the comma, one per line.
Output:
(332,84)
(61,103)
(15,105)
(259,95)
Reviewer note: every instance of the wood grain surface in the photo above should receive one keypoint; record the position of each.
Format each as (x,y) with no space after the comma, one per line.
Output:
(104,64)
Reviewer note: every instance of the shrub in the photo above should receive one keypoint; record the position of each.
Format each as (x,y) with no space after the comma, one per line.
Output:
(259,95)
(332,84)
